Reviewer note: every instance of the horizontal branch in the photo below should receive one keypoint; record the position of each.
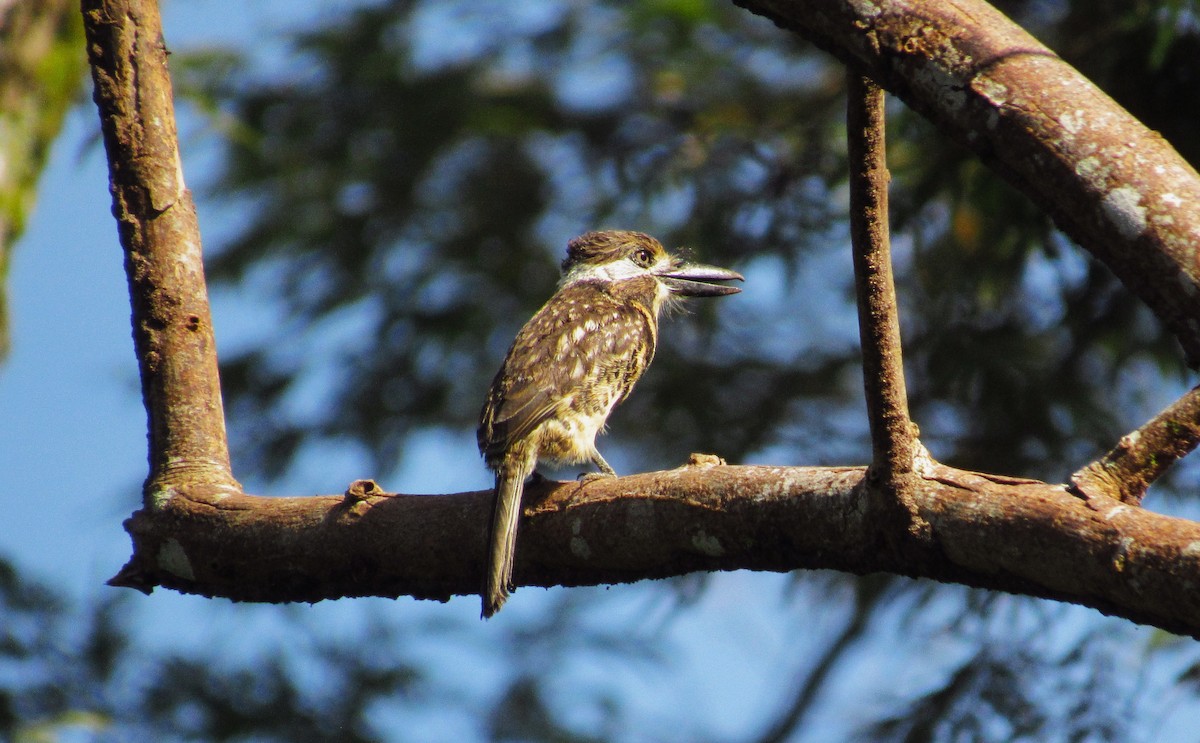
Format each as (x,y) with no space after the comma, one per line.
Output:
(1000,533)
(1112,184)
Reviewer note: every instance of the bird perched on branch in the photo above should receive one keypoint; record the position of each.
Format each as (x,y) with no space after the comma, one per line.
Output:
(571,364)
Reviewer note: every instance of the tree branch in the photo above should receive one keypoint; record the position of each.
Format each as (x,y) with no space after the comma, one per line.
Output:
(878,320)
(156,218)
(1012,535)
(1113,185)
(892,436)
(1141,457)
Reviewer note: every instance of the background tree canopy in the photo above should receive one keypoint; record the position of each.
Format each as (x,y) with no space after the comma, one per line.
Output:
(396,196)
(411,193)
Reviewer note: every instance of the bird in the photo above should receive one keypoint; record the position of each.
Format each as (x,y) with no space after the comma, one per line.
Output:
(571,364)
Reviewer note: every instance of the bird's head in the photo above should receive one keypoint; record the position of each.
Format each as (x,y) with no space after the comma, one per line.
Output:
(611,256)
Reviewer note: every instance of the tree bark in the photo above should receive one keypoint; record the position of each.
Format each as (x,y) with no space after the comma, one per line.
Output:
(1011,535)
(156,219)
(1117,188)
(1141,457)
(893,439)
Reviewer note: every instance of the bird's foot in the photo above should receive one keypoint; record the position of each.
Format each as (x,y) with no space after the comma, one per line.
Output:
(593,476)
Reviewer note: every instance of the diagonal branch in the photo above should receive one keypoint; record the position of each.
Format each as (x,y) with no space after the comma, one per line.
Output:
(156,217)
(1117,188)
(1141,457)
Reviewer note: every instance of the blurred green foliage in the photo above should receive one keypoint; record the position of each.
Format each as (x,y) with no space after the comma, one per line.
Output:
(41,75)
(411,181)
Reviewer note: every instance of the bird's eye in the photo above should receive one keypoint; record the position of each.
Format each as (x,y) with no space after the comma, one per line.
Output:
(643,258)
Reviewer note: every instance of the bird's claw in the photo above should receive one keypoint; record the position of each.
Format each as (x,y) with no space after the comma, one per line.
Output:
(592,476)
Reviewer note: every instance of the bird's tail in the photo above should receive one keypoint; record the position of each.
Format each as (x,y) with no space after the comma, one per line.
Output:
(506,512)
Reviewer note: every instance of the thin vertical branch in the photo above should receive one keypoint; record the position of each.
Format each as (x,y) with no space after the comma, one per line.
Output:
(156,218)
(892,435)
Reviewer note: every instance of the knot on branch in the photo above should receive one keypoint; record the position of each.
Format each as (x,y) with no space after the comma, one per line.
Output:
(360,490)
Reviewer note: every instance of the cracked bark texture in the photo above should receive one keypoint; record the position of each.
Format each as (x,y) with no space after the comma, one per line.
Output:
(1117,188)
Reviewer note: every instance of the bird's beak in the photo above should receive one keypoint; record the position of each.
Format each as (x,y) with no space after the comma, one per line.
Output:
(693,280)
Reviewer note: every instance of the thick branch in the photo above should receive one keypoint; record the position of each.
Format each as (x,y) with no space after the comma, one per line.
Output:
(1116,187)
(1010,535)
(1143,456)
(156,218)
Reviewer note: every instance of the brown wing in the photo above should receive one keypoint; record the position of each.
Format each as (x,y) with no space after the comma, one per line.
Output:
(582,346)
